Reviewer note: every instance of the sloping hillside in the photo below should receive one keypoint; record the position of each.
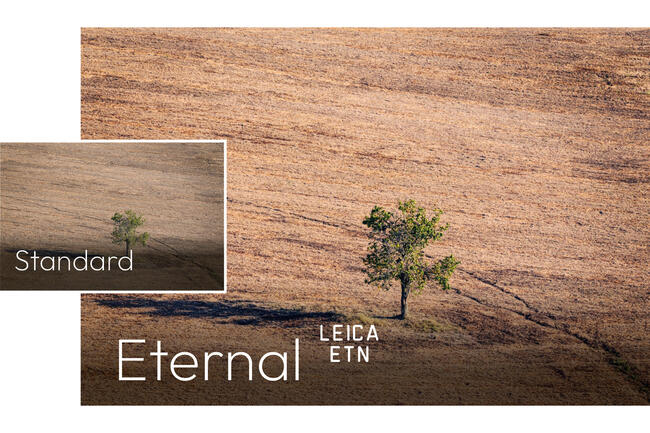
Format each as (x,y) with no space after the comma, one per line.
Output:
(533,141)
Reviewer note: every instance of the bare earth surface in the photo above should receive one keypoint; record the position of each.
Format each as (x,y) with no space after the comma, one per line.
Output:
(534,142)
(58,199)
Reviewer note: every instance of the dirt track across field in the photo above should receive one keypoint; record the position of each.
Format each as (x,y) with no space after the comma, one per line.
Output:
(533,141)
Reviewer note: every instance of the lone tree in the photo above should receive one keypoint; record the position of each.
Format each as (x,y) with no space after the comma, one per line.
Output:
(124,229)
(396,250)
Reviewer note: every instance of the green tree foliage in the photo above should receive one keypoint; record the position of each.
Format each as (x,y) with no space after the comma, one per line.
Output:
(396,250)
(124,229)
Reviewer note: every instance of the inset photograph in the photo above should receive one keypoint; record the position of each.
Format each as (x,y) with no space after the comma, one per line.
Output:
(113,216)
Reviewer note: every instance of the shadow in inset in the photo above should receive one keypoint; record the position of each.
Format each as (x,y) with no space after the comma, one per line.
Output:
(53,253)
(239,312)
(61,270)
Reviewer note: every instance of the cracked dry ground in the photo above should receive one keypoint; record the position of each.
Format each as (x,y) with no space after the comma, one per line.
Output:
(534,142)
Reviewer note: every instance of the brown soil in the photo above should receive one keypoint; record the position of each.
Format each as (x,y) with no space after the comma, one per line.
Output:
(533,141)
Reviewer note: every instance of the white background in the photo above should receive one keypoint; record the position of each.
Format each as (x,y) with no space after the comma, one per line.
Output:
(40,101)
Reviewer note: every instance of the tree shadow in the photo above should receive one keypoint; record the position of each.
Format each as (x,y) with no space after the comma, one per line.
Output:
(232,311)
(384,317)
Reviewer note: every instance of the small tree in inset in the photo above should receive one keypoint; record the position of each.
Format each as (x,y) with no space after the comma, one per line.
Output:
(396,250)
(124,229)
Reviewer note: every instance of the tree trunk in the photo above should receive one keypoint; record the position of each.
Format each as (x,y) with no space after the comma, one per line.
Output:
(405,295)
(128,247)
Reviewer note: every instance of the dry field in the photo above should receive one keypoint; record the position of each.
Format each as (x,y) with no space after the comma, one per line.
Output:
(58,199)
(533,141)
